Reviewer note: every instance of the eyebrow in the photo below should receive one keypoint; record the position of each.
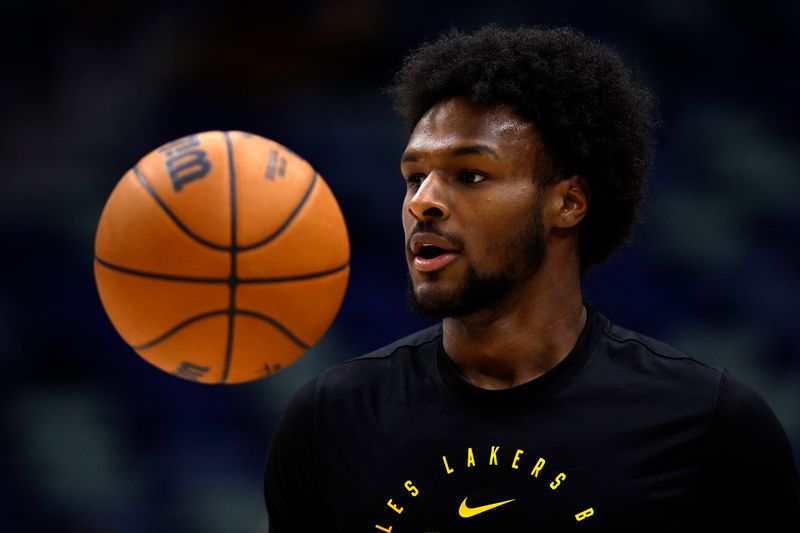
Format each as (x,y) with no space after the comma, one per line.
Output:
(459,151)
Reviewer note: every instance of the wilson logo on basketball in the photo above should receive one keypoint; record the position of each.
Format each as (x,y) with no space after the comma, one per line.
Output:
(185,163)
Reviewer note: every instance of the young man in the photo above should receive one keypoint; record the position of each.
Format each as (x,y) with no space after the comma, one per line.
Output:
(526,409)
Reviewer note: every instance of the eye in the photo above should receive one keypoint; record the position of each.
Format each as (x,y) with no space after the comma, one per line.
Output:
(414,180)
(469,176)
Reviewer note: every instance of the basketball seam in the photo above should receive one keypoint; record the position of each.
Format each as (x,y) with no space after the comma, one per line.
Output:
(149,188)
(208,314)
(173,330)
(233,280)
(283,329)
(288,220)
(199,279)
(155,275)
(298,277)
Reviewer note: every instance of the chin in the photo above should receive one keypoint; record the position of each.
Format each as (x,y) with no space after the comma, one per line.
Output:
(425,299)
(437,298)
(436,302)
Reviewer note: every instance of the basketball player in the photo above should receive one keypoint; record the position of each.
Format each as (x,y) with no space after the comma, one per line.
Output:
(525,409)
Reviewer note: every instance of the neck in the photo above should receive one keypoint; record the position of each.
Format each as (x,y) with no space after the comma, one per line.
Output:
(523,337)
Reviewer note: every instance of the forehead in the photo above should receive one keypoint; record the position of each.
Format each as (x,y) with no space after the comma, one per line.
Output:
(458,121)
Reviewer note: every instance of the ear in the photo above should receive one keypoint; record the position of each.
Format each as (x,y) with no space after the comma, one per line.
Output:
(570,199)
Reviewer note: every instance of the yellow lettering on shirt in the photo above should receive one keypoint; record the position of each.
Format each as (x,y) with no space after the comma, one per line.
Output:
(446,466)
(394,507)
(493,455)
(557,481)
(411,488)
(538,467)
(385,529)
(470,458)
(584,514)
(516,459)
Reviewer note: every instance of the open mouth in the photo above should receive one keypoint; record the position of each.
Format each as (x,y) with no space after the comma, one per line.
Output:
(429,251)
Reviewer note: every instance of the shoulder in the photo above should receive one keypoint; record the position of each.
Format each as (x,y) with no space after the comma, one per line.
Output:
(650,373)
(366,371)
(656,358)
(740,419)
(371,366)
(408,343)
(753,468)
(745,423)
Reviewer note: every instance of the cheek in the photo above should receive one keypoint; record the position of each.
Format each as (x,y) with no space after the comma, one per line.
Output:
(496,238)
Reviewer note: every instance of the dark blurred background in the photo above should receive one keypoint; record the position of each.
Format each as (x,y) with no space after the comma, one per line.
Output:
(94,439)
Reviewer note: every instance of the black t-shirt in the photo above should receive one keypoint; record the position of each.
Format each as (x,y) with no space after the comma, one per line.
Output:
(626,433)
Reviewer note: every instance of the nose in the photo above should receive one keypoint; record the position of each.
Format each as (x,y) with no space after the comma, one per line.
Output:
(428,202)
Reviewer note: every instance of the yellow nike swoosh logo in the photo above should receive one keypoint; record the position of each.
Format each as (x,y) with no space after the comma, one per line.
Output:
(467,512)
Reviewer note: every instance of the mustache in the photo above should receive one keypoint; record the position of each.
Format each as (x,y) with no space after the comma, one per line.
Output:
(430,227)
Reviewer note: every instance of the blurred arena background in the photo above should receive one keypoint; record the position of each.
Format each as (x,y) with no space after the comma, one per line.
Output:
(94,439)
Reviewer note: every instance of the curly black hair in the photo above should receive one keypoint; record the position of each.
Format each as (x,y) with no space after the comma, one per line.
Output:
(593,118)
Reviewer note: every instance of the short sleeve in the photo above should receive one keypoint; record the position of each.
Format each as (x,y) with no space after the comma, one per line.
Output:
(292,488)
(754,477)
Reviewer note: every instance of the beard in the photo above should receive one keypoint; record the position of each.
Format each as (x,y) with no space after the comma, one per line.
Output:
(523,255)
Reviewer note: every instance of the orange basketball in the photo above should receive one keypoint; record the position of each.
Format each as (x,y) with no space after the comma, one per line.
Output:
(221,257)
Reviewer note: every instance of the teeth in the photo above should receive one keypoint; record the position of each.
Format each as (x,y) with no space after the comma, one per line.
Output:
(426,249)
